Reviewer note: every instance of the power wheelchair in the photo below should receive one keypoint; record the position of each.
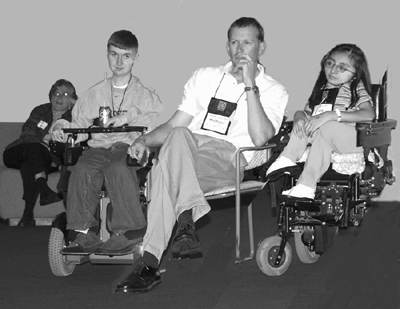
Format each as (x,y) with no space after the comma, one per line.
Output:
(64,264)
(341,200)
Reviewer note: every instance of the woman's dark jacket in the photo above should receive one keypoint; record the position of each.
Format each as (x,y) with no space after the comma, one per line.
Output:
(38,125)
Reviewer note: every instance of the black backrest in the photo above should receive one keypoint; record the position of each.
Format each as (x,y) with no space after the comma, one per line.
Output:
(382,108)
(379,98)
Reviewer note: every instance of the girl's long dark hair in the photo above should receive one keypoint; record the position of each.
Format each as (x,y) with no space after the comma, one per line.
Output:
(359,62)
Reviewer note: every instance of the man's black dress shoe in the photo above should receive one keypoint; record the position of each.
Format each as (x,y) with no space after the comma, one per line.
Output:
(26,222)
(186,243)
(142,279)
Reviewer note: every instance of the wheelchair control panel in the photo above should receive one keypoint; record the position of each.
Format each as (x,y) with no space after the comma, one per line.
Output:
(73,152)
(76,131)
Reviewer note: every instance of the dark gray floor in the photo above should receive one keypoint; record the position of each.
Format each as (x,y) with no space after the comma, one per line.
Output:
(360,270)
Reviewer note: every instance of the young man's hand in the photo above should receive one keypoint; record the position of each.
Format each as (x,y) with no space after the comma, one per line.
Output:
(58,134)
(117,121)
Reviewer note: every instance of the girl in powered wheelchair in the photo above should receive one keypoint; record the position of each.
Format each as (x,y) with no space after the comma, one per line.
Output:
(340,98)
(339,123)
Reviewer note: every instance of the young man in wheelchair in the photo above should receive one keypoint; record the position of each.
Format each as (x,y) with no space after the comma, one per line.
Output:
(105,161)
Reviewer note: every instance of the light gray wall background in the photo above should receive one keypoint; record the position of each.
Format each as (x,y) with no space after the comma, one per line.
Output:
(45,40)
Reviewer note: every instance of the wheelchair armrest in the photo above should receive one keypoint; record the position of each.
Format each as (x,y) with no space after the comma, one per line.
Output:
(261,156)
(375,134)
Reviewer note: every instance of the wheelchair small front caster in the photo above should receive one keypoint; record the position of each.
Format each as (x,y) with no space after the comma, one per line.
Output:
(267,253)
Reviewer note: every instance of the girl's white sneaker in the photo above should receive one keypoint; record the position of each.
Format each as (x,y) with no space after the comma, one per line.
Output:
(279,163)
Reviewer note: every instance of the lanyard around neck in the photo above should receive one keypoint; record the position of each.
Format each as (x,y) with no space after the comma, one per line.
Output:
(123,96)
(215,94)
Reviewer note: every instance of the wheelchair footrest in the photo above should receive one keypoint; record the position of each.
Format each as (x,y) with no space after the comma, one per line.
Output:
(77,252)
(82,253)
(306,222)
(327,218)
(132,250)
(304,204)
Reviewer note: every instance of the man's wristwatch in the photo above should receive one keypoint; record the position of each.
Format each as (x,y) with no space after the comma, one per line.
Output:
(254,88)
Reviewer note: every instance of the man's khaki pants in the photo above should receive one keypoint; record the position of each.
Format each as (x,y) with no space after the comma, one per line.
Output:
(189,165)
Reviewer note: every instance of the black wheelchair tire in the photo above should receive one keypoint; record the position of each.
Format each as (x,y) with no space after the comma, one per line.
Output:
(305,255)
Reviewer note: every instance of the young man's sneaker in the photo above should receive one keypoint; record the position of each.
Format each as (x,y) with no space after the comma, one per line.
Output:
(84,243)
(300,191)
(142,279)
(119,244)
(186,242)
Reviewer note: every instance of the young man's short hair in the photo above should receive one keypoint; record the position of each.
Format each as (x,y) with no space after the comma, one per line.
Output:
(123,39)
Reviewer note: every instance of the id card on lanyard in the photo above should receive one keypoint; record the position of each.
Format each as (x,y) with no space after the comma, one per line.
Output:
(218,114)
(328,98)
(217,117)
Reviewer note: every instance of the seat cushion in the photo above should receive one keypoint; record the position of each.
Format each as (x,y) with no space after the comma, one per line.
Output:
(343,163)
(348,163)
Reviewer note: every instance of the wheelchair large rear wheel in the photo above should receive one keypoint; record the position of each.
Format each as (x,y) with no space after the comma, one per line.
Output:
(266,256)
(58,264)
(303,252)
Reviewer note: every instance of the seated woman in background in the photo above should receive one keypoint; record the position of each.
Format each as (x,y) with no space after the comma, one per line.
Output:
(340,98)
(31,154)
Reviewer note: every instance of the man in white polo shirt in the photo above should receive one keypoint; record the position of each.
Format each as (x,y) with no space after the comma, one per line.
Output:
(223,108)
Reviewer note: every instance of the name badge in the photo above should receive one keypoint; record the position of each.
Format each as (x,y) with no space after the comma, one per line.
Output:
(217,117)
(319,109)
(42,124)
(327,99)
(216,123)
